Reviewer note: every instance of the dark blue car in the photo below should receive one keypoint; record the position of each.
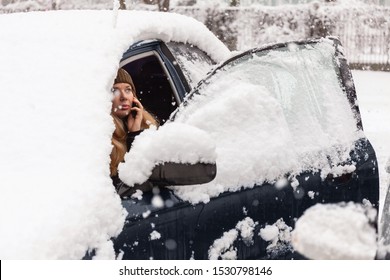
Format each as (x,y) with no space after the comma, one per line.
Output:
(296,74)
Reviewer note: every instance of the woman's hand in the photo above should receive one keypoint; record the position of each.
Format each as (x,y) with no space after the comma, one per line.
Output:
(135,116)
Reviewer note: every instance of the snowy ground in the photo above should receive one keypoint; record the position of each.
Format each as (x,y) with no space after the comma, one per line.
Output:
(373,91)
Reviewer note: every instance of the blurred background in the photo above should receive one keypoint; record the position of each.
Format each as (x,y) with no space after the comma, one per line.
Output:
(363,26)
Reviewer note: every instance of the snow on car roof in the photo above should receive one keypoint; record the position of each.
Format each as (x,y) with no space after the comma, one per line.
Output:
(57,199)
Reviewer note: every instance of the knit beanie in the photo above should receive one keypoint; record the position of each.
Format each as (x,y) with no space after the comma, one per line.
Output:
(123,77)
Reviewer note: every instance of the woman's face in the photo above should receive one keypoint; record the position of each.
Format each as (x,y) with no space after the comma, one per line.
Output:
(122,99)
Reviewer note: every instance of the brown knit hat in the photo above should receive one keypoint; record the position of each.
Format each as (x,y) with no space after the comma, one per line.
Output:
(123,77)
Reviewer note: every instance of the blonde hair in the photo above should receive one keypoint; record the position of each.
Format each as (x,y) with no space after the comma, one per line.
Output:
(119,139)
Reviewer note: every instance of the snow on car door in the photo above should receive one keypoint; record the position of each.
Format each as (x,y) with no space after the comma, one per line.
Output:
(274,111)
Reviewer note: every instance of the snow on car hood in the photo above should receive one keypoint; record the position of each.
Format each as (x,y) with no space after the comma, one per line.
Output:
(56,69)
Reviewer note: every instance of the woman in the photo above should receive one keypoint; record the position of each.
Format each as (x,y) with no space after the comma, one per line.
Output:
(130,118)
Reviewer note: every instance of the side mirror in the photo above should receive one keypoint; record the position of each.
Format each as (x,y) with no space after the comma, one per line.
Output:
(336,232)
(174,154)
(179,174)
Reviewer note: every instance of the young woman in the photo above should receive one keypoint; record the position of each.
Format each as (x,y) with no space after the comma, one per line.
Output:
(130,118)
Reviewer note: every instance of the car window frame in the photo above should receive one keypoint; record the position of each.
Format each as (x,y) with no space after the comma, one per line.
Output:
(191,49)
(162,64)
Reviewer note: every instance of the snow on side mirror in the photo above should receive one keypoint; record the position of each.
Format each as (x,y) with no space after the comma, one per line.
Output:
(187,153)
(336,232)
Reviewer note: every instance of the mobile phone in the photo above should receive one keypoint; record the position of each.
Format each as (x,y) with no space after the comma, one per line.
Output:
(134,113)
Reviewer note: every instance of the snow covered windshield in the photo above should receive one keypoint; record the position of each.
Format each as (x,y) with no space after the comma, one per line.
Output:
(272,113)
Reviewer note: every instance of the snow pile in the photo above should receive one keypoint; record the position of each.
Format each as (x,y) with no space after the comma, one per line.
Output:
(334,232)
(278,234)
(223,248)
(57,69)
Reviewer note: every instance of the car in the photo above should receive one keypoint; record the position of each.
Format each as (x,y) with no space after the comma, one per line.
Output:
(191,230)
(266,133)
(351,231)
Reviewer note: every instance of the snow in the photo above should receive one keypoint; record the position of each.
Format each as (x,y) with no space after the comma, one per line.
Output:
(57,199)
(277,234)
(315,236)
(157,201)
(353,239)
(223,247)
(373,91)
(270,118)
(246,227)
(154,235)
(269,233)
(189,145)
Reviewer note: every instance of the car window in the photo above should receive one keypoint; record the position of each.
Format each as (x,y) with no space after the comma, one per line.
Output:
(282,111)
(153,85)
(304,79)
(194,63)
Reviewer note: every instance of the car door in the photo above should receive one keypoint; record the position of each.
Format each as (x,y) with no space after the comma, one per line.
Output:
(312,86)
(259,192)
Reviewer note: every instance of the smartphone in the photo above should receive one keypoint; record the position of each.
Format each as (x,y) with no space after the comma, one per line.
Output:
(134,113)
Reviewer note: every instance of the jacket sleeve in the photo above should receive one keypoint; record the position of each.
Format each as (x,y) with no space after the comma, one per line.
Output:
(130,138)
